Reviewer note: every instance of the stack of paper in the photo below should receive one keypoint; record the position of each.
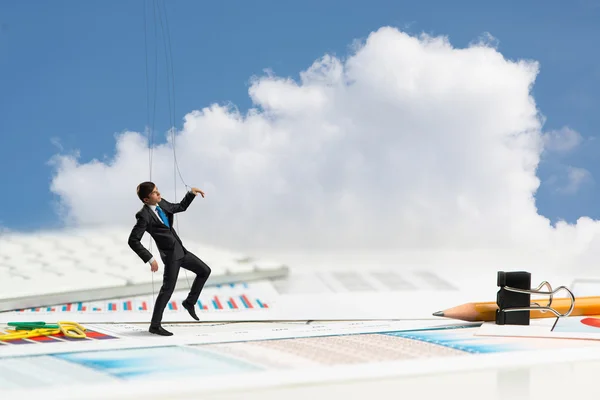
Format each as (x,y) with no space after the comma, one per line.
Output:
(324,326)
(324,295)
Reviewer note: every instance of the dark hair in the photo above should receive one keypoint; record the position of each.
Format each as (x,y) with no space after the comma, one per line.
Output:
(144,189)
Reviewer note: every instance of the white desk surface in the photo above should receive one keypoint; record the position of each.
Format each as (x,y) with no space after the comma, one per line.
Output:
(544,377)
(544,380)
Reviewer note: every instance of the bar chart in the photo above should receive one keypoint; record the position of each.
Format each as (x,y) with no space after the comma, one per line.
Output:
(219,299)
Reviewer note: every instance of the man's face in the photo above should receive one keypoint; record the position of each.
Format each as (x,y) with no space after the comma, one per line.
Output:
(154,197)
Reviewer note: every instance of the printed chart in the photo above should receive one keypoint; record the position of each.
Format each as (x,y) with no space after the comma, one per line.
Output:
(325,295)
(219,298)
(206,363)
(91,335)
(231,298)
(213,303)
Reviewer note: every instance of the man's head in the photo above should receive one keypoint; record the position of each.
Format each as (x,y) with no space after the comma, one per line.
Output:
(148,193)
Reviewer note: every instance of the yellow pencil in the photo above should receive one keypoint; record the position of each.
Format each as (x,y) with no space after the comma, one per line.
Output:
(486,311)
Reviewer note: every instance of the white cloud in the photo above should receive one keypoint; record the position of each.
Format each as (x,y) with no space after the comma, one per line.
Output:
(575,178)
(562,140)
(568,179)
(56,143)
(486,39)
(407,143)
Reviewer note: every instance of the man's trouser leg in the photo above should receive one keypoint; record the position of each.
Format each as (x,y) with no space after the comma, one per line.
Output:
(169,281)
(202,271)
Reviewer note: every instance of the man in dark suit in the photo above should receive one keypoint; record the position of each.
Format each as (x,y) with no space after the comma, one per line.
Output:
(156,218)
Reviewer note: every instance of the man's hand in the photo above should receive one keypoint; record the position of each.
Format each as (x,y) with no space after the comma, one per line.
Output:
(196,191)
(154,266)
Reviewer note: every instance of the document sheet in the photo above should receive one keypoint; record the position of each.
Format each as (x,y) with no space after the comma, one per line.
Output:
(250,356)
(322,295)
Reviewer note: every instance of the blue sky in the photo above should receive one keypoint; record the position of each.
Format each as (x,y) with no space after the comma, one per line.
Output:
(72,74)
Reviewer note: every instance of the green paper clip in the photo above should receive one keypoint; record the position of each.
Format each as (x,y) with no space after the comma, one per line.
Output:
(32,325)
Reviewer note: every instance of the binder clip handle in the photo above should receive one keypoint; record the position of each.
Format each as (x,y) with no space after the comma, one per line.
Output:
(514,298)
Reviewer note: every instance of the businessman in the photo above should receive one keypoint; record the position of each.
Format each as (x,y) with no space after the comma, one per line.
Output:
(156,218)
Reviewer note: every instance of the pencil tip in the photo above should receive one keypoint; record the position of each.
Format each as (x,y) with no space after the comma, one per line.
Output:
(438,314)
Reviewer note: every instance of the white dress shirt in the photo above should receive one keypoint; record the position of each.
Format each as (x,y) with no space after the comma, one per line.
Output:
(153,207)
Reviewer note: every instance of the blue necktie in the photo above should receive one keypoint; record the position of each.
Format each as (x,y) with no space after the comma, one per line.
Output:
(163,216)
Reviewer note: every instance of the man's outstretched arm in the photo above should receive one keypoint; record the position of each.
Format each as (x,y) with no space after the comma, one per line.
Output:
(184,203)
(135,238)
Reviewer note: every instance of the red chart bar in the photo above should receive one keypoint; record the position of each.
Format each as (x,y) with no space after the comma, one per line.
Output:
(233,302)
(44,339)
(219,306)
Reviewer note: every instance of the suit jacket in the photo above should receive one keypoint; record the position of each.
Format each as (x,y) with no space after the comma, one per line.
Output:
(168,242)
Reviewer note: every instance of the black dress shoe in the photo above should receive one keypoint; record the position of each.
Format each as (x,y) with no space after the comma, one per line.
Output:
(190,309)
(159,331)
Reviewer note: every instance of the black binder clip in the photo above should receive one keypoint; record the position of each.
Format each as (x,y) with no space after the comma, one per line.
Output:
(514,298)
